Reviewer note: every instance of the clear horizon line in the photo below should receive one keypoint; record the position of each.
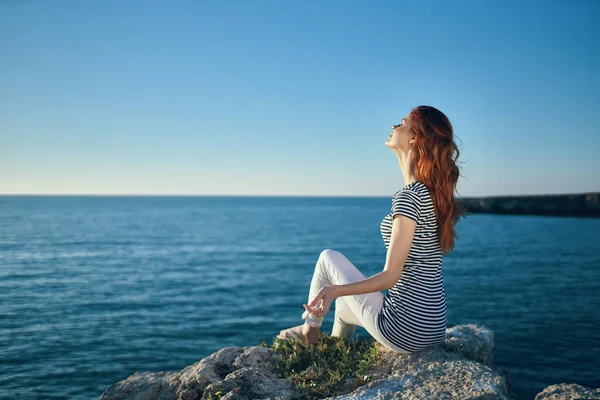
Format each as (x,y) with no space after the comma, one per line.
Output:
(265,195)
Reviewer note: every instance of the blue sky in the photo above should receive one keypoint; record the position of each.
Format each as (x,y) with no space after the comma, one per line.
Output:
(293,97)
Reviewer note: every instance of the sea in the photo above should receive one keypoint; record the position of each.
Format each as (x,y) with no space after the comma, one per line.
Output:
(95,288)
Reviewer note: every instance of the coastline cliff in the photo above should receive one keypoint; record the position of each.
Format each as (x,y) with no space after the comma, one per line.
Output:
(573,205)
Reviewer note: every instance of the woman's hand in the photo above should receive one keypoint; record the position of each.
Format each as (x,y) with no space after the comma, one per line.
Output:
(327,294)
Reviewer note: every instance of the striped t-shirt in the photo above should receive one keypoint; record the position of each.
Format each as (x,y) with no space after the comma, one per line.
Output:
(413,314)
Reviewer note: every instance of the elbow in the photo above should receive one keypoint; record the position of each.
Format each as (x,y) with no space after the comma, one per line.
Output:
(391,281)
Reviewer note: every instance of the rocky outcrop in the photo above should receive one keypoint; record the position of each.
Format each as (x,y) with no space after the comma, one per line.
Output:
(461,368)
(232,372)
(145,386)
(582,205)
(567,392)
(456,370)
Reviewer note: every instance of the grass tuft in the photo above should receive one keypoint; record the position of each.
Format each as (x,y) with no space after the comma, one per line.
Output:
(320,370)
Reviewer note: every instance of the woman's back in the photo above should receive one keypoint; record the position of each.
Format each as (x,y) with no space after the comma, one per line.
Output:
(413,315)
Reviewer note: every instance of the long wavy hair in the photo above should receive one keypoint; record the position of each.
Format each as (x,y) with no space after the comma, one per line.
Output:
(435,164)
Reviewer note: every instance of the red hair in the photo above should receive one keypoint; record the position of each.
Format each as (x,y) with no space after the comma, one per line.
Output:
(435,164)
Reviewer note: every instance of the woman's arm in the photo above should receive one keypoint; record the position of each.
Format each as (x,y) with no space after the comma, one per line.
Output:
(403,231)
(375,283)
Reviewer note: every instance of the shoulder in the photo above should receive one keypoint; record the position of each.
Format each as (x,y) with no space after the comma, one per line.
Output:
(420,189)
(417,189)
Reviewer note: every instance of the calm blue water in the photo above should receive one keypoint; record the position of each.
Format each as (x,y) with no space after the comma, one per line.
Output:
(93,289)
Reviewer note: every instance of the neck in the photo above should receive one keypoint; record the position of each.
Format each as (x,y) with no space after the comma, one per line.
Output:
(404,159)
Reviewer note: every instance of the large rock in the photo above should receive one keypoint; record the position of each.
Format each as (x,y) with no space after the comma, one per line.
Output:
(252,383)
(472,341)
(434,375)
(461,368)
(195,378)
(236,371)
(144,386)
(567,392)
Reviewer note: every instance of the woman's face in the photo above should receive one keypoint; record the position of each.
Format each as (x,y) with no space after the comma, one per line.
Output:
(401,135)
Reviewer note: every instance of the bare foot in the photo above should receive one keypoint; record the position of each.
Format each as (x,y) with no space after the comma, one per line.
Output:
(305,332)
(311,332)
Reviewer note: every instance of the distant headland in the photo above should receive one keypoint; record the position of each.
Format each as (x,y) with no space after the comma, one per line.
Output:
(572,205)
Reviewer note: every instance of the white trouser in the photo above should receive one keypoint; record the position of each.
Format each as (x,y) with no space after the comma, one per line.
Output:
(333,268)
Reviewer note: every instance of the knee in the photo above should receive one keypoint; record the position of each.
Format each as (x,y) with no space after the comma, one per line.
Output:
(326,253)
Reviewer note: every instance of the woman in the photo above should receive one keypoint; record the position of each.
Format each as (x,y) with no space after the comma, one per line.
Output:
(417,232)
